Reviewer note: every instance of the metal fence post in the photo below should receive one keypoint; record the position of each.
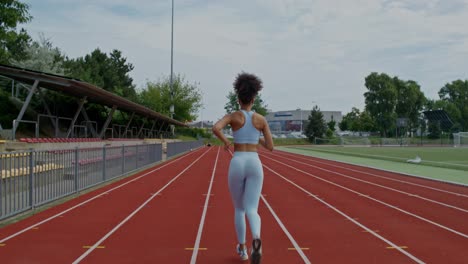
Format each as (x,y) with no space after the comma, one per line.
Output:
(156,148)
(123,159)
(31,177)
(136,157)
(104,163)
(76,168)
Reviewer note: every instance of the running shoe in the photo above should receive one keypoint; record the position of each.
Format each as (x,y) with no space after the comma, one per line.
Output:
(256,251)
(242,252)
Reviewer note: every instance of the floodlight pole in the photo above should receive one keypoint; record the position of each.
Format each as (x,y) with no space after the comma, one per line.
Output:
(172,62)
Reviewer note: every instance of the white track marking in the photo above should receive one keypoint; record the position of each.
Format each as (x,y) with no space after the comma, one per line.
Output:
(89,200)
(205,209)
(378,185)
(285,230)
(311,158)
(376,200)
(296,246)
(134,212)
(348,217)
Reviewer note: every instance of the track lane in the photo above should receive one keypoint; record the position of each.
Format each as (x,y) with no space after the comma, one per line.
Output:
(443,214)
(164,227)
(425,241)
(219,235)
(69,232)
(323,231)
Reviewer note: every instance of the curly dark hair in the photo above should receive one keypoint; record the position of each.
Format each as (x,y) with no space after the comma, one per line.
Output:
(247,87)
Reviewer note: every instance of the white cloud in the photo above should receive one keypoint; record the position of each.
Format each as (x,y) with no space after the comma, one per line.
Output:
(304,50)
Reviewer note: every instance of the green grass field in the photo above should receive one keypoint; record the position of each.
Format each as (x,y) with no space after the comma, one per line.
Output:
(445,157)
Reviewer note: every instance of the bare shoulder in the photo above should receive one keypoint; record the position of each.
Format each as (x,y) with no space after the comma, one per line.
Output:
(259,121)
(259,117)
(237,120)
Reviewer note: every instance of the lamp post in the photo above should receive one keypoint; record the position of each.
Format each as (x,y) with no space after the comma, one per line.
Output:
(172,64)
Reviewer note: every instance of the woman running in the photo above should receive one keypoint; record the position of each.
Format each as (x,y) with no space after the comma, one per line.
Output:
(245,171)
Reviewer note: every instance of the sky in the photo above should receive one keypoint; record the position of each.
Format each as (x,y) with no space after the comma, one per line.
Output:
(307,52)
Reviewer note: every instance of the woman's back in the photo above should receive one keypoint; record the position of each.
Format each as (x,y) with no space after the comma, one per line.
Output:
(247,133)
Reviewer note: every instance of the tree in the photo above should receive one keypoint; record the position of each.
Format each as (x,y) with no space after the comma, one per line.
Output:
(13,43)
(110,72)
(232,105)
(344,124)
(351,121)
(455,95)
(410,101)
(381,99)
(42,56)
(332,124)
(366,122)
(187,98)
(316,126)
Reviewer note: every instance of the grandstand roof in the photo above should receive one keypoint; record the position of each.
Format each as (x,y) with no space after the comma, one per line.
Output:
(80,89)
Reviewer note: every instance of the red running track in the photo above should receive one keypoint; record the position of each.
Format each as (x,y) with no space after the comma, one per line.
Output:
(312,210)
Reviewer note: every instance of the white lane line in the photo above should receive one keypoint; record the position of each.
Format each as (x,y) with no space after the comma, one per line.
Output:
(375,200)
(283,227)
(309,158)
(378,185)
(89,200)
(196,247)
(348,217)
(100,242)
(291,238)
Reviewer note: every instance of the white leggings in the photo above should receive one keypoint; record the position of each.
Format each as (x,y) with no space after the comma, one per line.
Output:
(245,184)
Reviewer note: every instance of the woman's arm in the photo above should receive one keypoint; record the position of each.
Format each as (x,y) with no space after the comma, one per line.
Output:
(267,140)
(223,122)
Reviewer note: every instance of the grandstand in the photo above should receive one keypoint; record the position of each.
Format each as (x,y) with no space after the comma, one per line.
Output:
(27,85)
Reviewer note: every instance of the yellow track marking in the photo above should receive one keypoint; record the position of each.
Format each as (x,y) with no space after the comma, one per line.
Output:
(365,231)
(92,246)
(2,245)
(398,247)
(299,248)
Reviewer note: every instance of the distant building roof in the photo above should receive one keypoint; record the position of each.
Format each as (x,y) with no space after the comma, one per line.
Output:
(304,114)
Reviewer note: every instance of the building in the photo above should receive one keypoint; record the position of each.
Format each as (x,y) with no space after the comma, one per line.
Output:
(285,122)
(202,124)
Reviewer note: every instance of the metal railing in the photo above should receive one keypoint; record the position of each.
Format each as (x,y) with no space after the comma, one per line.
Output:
(176,148)
(35,177)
